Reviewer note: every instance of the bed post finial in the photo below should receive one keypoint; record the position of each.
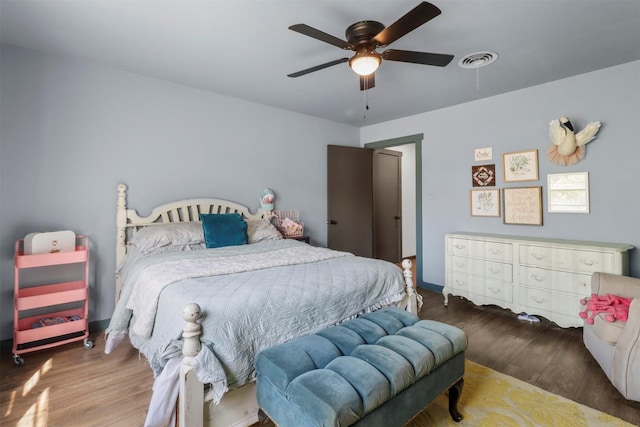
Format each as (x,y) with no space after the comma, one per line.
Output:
(191,332)
(122,196)
(191,395)
(414,300)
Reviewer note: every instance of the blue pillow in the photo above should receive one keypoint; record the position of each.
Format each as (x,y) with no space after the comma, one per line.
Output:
(224,230)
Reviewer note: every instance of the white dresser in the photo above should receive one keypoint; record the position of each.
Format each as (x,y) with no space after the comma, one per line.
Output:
(538,276)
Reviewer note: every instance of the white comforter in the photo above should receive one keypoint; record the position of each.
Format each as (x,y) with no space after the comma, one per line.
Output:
(145,293)
(247,311)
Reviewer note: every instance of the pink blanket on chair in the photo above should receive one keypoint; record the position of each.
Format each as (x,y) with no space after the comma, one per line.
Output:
(617,308)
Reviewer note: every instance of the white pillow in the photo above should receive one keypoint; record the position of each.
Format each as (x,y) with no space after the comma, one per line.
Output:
(161,238)
(152,237)
(260,229)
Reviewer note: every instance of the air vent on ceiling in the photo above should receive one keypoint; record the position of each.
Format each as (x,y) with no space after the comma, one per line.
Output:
(478,59)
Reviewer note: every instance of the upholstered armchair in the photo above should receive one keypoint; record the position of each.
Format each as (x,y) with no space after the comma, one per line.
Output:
(616,345)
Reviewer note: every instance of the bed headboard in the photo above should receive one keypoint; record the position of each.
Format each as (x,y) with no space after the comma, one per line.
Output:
(189,210)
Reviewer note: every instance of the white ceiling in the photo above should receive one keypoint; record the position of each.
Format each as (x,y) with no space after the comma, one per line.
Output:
(244,48)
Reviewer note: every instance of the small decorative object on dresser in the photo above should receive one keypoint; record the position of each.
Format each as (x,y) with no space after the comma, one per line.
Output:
(547,277)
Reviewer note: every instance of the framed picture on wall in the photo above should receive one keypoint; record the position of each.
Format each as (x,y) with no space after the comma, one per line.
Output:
(520,166)
(483,175)
(480,154)
(568,192)
(485,202)
(522,205)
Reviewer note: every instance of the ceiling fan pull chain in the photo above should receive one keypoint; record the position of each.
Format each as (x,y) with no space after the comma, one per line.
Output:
(366,103)
(478,78)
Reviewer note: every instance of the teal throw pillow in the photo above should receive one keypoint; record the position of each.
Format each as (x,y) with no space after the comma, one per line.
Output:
(224,230)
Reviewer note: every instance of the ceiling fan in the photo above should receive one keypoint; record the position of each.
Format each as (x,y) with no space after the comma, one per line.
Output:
(365,37)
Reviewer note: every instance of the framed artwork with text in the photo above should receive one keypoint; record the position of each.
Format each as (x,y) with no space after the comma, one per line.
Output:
(522,205)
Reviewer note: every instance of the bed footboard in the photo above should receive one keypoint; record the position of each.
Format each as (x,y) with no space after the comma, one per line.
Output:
(239,407)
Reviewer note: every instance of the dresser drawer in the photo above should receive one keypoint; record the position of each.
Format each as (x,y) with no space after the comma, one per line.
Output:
(483,288)
(498,291)
(461,282)
(496,251)
(479,267)
(541,301)
(567,259)
(571,283)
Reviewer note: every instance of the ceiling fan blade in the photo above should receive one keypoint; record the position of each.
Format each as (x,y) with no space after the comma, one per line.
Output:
(437,59)
(322,36)
(413,19)
(367,82)
(318,67)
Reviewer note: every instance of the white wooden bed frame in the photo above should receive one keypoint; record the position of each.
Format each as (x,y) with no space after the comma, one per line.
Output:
(238,407)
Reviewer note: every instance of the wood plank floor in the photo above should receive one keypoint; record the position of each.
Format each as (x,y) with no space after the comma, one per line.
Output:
(69,386)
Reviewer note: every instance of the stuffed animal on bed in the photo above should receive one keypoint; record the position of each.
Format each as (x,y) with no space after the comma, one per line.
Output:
(568,147)
(617,308)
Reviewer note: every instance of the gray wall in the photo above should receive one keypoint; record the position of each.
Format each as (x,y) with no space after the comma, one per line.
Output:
(70,131)
(518,121)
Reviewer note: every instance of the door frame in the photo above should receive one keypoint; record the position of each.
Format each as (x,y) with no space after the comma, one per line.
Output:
(417,140)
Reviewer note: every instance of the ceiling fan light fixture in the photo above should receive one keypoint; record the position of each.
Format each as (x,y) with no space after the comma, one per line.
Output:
(365,63)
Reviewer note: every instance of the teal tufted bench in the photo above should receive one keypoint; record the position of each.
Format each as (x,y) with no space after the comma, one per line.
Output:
(381,369)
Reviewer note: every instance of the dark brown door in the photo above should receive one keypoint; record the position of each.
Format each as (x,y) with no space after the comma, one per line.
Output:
(387,205)
(350,199)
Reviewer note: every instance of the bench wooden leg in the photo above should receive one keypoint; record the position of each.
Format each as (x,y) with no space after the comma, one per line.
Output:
(263,418)
(454,395)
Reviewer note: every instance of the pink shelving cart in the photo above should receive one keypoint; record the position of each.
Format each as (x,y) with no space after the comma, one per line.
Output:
(60,325)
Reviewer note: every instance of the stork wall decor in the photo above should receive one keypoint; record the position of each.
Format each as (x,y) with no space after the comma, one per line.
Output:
(568,147)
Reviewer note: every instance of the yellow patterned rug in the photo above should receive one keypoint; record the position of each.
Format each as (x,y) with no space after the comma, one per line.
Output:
(492,399)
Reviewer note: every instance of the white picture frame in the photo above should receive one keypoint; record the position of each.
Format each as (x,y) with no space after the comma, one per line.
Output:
(568,192)
(482,154)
